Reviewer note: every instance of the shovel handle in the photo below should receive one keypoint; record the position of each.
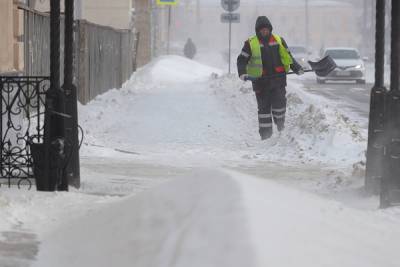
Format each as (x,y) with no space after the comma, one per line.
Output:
(254,79)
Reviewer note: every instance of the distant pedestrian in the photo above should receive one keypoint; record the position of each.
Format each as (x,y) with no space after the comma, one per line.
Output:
(190,49)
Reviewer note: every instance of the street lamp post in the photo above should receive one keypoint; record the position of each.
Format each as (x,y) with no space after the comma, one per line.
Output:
(375,148)
(61,157)
(54,125)
(390,189)
(307,33)
(72,170)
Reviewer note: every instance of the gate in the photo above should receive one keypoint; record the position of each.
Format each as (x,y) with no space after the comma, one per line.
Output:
(22,121)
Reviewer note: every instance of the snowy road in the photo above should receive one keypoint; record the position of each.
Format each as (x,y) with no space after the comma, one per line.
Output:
(347,95)
(174,174)
(352,96)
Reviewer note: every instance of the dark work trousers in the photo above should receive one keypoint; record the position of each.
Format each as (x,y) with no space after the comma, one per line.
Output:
(271,103)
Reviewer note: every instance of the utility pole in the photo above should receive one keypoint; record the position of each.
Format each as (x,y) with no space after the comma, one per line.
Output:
(230,6)
(366,26)
(307,33)
(71,125)
(168,3)
(169,30)
(230,45)
(390,189)
(375,150)
(54,125)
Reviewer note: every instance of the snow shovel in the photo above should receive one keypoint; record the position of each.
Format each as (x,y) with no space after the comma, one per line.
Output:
(322,68)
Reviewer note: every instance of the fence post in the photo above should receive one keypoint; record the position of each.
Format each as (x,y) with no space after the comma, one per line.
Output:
(83,73)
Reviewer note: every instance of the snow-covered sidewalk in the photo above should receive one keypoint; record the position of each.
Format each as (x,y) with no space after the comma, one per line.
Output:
(296,228)
(225,218)
(174,174)
(198,220)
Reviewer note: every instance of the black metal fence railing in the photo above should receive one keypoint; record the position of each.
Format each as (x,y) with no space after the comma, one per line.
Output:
(21,121)
(104,57)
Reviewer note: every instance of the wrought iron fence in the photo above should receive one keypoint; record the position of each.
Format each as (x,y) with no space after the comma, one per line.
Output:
(21,122)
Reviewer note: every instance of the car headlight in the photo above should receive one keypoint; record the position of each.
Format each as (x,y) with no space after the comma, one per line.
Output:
(358,67)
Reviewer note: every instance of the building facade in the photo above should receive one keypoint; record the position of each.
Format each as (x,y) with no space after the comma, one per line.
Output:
(115,13)
(9,28)
(135,15)
(118,14)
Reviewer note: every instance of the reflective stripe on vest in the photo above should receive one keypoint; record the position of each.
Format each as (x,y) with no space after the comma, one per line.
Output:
(255,67)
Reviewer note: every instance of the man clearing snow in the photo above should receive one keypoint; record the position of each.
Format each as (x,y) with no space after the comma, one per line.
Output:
(266,55)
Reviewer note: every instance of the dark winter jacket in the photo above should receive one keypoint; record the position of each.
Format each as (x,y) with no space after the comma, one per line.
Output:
(190,49)
(269,55)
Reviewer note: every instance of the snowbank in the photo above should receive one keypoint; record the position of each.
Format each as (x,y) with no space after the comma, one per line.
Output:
(201,121)
(316,130)
(173,69)
(186,222)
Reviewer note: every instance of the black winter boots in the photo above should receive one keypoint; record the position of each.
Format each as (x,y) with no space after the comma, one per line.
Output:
(265,133)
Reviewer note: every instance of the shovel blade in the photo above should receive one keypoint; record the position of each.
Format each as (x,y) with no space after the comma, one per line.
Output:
(324,66)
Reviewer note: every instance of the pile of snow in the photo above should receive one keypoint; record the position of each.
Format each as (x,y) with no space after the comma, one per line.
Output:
(186,222)
(316,130)
(174,69)
(158,114)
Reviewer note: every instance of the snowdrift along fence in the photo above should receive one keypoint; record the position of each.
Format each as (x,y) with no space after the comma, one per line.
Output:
(104,57)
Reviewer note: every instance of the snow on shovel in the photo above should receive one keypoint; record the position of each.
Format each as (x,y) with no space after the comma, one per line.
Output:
(322,68)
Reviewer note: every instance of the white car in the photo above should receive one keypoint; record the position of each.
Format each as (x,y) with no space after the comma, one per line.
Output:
(350,66)
(301,54)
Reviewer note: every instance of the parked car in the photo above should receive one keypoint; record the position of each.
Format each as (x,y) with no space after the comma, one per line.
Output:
(301,55)
(350,66)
